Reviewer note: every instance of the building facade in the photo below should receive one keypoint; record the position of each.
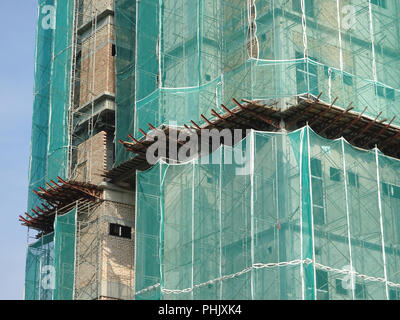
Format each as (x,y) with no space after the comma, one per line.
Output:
(309,210)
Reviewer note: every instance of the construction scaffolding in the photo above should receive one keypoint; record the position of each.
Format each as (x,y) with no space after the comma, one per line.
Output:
(80,260)
(93,91)
(88,254)
(50,262)
(49,147)
(125,39)
(72,143)
(277,216)
(307,212)
(104,263)
(191,56)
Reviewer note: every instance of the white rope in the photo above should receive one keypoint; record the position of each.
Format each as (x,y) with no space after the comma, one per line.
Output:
(198,43)
(148,289)
(160,84)
(371,31)
(305,52)
(271,265)
(381,221)
(135,72)
(162,177)
(75,250)
(312,209)
(40,270)
(392,284)
(230,276)
(253,32)
(301,214)
(340,35)
(357,274)
(220,221)
(347,216)
(193,176)
(252,207)
(304,25)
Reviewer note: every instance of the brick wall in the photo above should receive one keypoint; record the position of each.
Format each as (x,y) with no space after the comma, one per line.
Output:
(92,159)
(105,263)
(97,72)
(117,254)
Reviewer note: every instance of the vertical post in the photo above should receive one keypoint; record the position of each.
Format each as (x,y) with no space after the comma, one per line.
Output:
(305,45)
(75,246)
(199,34)
(277,173)
(40,269)
(371,31)
(72,86)
(220,220)
(135,233)
(51,90)
(93,87)
(55,262)
(26,255)
(160,30)
(136,68)
(252,210)
(348,218)
(312,210)
(99,250)
(193,177)
(301,216)
(340,34)
(161,236)
(77,260)
(381,222)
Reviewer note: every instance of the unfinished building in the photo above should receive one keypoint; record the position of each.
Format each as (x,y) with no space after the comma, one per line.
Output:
(310,211)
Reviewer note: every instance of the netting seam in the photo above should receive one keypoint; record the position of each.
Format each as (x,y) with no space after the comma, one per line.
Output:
(230,276)
(271,265)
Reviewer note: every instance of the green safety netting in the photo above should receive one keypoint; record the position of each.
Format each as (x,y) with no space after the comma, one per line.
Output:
(191,55)
(49,144)
(60,85)
(64,254)
(50,262)
(40,255)
(187,57)
(40,118)
(292,216)
(125,25)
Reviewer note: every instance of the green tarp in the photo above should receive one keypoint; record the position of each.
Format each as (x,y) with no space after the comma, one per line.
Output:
(50,262)
(288,222)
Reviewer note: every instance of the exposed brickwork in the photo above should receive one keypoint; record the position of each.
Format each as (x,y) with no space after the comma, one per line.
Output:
(97,65)
(117,257)
(92,159)
(111,257)
(105,263)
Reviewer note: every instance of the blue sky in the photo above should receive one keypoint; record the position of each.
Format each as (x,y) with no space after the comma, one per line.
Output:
(17,36)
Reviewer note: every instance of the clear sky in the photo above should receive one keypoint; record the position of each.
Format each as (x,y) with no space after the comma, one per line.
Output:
(17,38)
